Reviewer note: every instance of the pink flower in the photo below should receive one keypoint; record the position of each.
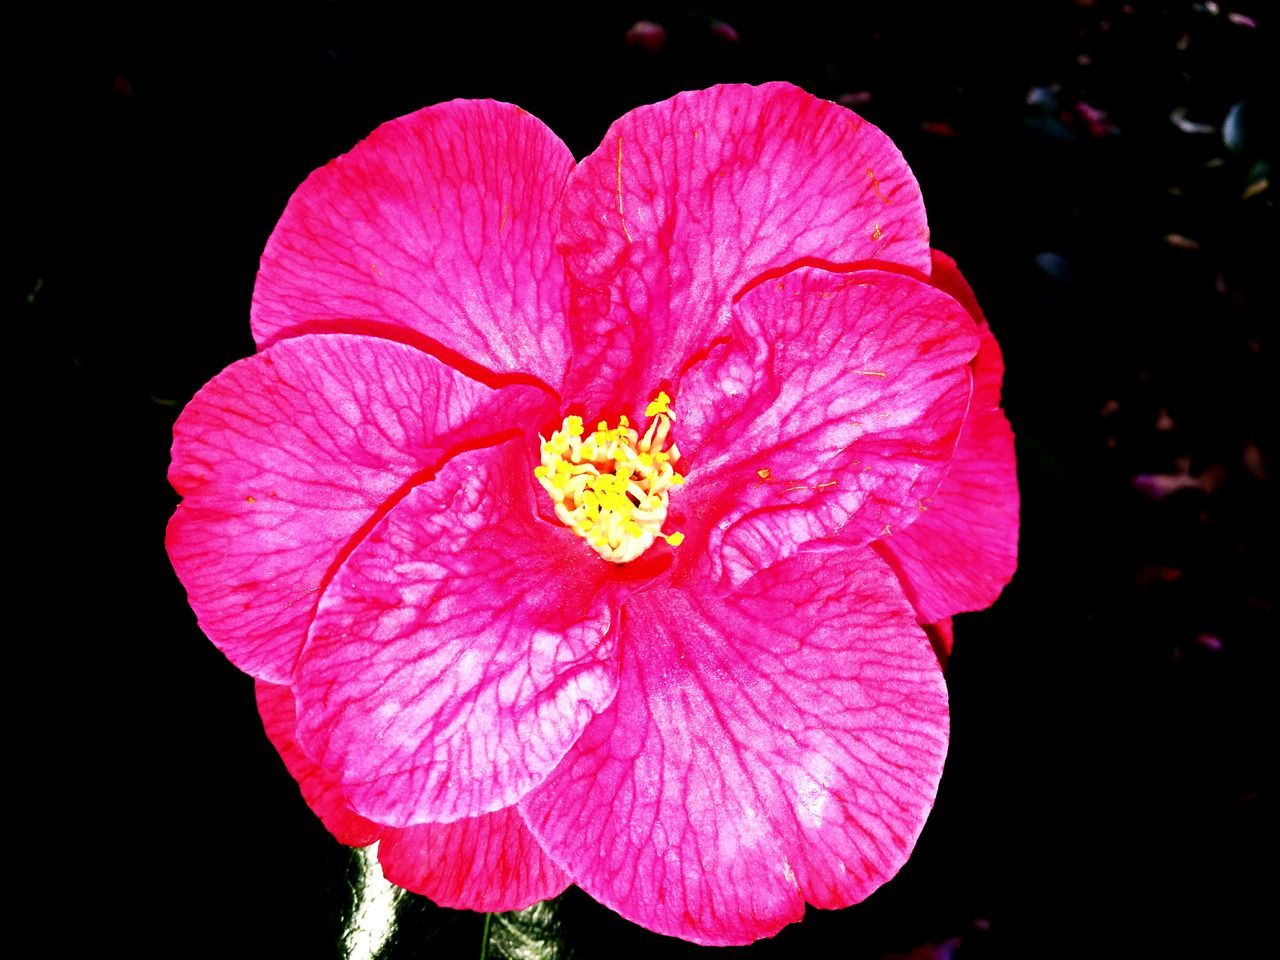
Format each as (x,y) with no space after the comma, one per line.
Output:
(744,716)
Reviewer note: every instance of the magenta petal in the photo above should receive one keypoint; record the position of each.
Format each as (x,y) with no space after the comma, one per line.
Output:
(989,364)
(688,200)
(439,224)
(943,637)
(460,650)
(322,792)
(834,406)
(777,745)
(963,549)
(481,863)
(284,457)
(488,863)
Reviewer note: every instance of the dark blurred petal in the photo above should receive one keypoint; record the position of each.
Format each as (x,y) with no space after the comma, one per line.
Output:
(724,31)
(647,35)
(1157,486)
(1152,573)
(946,950)
(1254,462)
(938,129)
(1095,120)
(1209,641)
(1233,134)
(1055,265)
(1046,97)
(1179,119)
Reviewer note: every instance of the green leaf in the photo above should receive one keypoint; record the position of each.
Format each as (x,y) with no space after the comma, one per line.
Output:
(534,933)
(369,922)
(380,921)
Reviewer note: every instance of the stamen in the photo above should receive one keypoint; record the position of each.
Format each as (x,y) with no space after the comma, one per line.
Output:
(611,487)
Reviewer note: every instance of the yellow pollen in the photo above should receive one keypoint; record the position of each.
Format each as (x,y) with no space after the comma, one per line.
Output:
(612,487)
(659,404)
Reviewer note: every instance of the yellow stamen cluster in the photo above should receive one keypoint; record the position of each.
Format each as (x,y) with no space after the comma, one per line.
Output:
(611,486)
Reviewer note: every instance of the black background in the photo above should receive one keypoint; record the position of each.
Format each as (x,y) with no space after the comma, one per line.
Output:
(1104,791)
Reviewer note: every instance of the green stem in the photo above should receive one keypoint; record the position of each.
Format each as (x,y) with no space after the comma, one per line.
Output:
(484,937)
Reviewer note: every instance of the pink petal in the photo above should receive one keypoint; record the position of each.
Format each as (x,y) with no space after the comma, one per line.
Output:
(437,228)
(482,863)
(989,364)
(780,744)
(943,637)
(283,460)
(460,650)
(687,201)
(322,792)
(834,405)
(963,549)
(488,863)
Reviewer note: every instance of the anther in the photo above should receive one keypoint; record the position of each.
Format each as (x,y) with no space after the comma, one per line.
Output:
(611,487)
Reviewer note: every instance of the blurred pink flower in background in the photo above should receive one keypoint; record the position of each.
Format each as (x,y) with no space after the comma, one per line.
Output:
(747,714)
(647,35)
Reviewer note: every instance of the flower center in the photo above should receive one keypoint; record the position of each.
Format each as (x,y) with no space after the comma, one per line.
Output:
(611,487)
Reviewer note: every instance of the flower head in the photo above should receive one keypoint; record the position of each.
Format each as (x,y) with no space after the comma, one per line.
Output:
(675,659)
